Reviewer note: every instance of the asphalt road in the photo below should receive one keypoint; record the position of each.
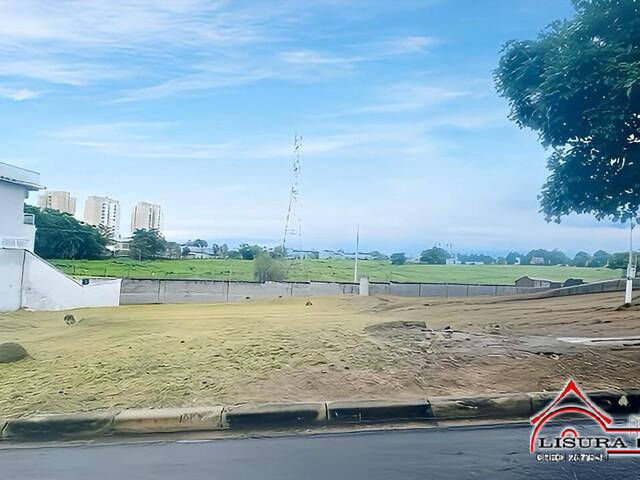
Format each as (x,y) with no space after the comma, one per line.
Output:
(456,453)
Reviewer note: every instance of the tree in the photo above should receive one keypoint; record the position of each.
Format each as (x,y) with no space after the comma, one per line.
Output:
(435,255)
(477,257)
(60,235)
(268,269)
(109,233)
(398,259)
(557,257)
(199,243)
(249,252)
(512,258)
(620,260)
(173,250)
(599,259)
(146,244)
(186,251)
(376,255)
(278,252)
(578,86)
(553,257)
(581,259)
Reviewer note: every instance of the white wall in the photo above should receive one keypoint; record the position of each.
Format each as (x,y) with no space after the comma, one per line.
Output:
(12,213)
(28,281)
(10,279)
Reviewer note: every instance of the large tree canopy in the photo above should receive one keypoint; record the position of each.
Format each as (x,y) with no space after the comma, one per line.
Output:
(146,244)
(578,86)
(59,235)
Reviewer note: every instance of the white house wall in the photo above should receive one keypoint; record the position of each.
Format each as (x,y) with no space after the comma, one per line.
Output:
(10,279)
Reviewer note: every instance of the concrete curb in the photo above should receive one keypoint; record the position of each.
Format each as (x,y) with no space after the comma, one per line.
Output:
(274,415)
(75,425)
(490,406)
(371,411)
(518,406)
(165,420)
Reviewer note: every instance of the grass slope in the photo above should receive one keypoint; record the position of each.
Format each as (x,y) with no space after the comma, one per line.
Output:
(328,270)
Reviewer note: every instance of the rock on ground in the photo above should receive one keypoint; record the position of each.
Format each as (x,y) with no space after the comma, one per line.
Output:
(12,352)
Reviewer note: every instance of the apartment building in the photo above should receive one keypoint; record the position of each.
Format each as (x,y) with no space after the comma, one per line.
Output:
(58,200)
(146,215)
(103,211)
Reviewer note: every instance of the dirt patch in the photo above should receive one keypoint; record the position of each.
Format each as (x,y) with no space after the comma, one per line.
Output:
(283,350)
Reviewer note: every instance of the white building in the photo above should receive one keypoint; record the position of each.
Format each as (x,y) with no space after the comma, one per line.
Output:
(17,229)
(146,215)
(57,200)
(303,254)
(340,255)
(26,280)
(103,211)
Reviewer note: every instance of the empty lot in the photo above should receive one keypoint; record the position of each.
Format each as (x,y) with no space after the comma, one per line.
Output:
(334,348)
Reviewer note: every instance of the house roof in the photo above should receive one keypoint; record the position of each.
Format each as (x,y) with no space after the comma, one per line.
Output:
(20,176)
(537,279)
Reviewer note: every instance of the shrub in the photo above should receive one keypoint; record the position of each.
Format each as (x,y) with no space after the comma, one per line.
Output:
(268,269)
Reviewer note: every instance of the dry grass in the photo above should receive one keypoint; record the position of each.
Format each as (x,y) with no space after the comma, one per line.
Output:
(284,350)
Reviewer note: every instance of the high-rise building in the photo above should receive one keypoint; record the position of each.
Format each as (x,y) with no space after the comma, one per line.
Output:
(146,215)
(62,201)
(103,211)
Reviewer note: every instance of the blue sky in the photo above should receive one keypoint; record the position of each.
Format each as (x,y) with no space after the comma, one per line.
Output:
(194,104)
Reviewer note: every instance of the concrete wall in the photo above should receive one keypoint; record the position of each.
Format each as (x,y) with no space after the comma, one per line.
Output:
(595,287)
(27,281)
(10,279)
(136,291)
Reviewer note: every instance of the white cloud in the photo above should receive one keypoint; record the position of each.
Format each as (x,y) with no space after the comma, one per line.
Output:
(169,47)
(367,52)
(147,141)
(123,23)
(407,96)
(52,71)
(410,44)
(78,42)
(204,78)
(310,57)
(18,94)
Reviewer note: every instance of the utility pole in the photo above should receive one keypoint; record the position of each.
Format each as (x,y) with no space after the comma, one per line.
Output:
(355,267)
(631,268)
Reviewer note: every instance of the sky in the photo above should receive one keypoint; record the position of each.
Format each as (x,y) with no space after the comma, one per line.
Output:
(194,105)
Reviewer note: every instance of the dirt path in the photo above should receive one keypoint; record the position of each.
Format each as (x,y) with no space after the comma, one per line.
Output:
(335,348)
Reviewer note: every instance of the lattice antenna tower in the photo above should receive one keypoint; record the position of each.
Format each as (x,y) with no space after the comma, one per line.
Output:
(293,223)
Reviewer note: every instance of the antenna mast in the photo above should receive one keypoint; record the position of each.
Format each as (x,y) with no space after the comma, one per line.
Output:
(289,228)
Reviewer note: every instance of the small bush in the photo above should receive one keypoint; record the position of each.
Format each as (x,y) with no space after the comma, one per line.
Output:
(267,269)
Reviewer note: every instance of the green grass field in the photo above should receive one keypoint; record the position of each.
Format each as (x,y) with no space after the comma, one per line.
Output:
(328,270)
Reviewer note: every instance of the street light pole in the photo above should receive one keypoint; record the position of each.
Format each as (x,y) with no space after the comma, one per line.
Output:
(631,268)
(355,267)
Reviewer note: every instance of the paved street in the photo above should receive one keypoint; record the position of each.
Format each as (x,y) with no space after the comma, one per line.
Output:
(469,452)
